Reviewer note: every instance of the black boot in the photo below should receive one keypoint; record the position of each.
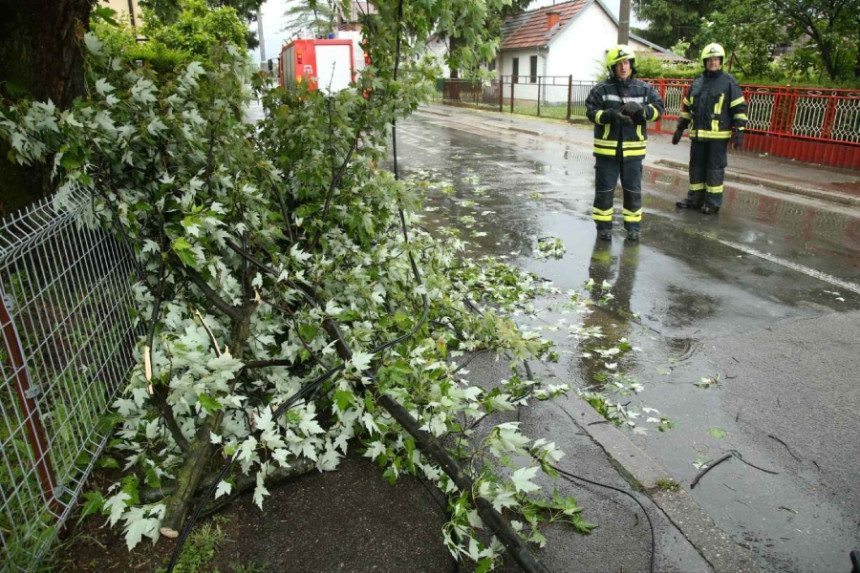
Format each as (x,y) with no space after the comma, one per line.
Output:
(710,210)
(605,234)
(685,204)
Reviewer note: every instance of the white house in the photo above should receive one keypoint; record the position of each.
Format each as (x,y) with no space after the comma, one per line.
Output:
(566,39)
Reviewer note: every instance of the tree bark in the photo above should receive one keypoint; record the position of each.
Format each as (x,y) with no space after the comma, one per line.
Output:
(40,59)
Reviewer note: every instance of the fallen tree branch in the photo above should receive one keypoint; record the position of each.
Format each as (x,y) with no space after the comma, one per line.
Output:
(772,437)
(499,526)
(707,469)
(299,466)
(738,455)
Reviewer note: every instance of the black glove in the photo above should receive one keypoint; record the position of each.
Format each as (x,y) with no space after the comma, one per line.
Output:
(633,109)
(615,116)
(679,132)
(737,139)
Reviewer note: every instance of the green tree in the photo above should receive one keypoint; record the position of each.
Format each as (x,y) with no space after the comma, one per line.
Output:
(749,34)
(319,17)
(167,12)
(198,28)
(821,36)
(828,28)
(671,21)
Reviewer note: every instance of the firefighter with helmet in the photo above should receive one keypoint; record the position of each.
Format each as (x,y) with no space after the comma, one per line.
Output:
(715,111)
(619,108)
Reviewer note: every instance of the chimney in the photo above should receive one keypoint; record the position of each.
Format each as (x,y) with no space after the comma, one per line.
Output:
(552,19)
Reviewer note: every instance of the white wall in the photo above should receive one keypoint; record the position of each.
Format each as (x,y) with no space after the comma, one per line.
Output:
(580,49)
(524,89)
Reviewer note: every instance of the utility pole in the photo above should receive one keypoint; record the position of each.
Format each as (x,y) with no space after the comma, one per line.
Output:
(262,40)
(624,22)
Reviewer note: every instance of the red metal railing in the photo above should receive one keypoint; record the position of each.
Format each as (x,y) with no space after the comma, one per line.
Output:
(815,125)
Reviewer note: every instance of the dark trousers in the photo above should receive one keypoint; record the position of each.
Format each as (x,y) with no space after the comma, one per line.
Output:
(707,170)
(608,170)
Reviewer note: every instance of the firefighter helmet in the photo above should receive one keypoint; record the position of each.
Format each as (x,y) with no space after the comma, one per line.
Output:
(617,54)
(711,51)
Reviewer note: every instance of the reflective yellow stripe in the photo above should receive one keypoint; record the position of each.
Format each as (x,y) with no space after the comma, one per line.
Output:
(606,131)
(697,186)
(710,189)
(612,144)
(718,107)
(742,116)
(688,101)
(597,117)
(633,152)
(602,214)
(632,216)
(686,115)
(715,125)
(655,113)
(706,134)
(603,151)
(638,134)
(738,101)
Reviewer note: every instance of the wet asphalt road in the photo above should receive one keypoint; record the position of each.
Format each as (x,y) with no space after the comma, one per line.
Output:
(763,300)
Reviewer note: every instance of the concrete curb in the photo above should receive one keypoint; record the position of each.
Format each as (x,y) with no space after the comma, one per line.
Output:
(526,131)
(769,183)
(714,544)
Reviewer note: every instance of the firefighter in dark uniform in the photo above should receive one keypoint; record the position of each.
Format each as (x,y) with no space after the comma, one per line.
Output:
(715,111)
(619,108)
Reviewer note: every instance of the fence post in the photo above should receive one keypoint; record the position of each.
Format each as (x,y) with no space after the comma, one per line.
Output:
(569,94)
(27,399)
(513,81)
(539,83)
(501,93)
(829,116)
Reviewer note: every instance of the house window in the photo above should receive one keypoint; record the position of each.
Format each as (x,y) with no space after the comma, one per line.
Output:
(515,72)
(492,65)
(533,69)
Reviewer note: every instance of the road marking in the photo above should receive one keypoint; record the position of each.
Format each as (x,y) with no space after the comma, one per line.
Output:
(793,266)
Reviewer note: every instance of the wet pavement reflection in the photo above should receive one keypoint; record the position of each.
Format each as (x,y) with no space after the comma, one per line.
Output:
(670,306)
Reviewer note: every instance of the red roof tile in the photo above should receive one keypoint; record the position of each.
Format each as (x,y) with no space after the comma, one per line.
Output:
(528,29)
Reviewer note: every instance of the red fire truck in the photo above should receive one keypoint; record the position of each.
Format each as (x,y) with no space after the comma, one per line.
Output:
(326,64)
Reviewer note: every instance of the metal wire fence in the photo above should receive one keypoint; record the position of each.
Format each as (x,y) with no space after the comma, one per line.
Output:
(67,348)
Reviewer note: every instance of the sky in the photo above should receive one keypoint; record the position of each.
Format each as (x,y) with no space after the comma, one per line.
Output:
(273,21)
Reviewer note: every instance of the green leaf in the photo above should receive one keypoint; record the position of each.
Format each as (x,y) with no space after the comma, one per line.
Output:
(93,503)
(718,433)
(209,404)
(153,480)
(344,399)
(130,486)
(582,525)
(106,14)
(107,463)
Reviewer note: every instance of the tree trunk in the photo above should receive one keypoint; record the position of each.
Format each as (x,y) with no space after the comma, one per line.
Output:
(201,450)
(40,59)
